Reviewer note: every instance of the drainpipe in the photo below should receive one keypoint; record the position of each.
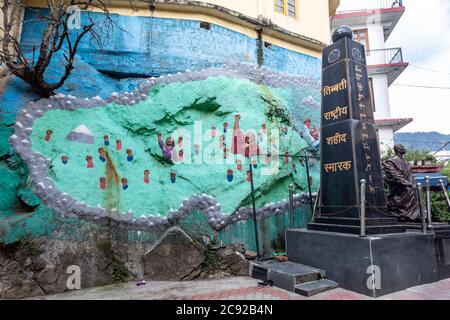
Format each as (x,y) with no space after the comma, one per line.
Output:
(260,9)
(260,44)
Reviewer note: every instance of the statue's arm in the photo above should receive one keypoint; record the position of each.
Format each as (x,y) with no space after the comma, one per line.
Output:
(394,175)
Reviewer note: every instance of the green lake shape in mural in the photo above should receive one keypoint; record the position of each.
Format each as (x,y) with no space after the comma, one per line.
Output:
(190,109)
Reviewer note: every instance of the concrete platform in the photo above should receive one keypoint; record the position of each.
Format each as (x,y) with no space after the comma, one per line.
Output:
(399,261)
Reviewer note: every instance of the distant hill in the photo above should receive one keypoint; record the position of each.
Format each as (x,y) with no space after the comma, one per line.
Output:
(423,140)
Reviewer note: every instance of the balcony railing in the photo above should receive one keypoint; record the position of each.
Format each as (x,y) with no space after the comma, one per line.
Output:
(378,4)
(384,56)
(388,4)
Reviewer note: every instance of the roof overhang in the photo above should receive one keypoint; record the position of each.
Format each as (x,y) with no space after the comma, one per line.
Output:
(393,70)
(388,17)
(395,124)
(333,5)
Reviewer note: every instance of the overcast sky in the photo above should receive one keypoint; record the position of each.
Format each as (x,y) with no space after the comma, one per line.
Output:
(424,35)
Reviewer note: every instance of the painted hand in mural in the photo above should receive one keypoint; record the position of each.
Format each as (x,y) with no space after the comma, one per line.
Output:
(167,148)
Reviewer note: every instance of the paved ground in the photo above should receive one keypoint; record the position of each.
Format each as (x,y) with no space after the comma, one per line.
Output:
(238,288)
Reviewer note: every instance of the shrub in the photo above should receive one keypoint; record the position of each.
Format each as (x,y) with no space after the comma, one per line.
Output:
(439,207)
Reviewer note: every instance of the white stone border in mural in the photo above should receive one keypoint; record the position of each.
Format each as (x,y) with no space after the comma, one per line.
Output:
(63,203)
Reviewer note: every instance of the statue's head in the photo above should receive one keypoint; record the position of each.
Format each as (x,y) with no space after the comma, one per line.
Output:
(399,149)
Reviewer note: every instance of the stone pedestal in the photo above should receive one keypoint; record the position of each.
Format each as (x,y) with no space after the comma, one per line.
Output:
(397,261)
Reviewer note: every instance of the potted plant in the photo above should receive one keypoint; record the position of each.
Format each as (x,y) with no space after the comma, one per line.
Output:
(429,159)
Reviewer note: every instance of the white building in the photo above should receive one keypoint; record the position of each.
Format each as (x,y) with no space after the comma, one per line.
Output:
(372,27)
(442,156)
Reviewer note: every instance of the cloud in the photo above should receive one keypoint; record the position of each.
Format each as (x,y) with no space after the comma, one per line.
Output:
(422,33)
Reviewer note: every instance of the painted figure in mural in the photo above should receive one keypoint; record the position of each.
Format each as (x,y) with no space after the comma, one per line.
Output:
(249,177)
(106,140)
(402,198)
(245,145)
(312,133)
(167,148)
(146,176)
(286,157)
(251,146)
(48,135)
(118,144)
(124,183)
(239,165)
(129,155)
(173,176)
(90,163)
(102,183)
(230,175)
(237,145)
(101,154)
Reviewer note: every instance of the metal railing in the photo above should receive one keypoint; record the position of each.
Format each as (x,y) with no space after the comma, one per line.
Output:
(388,4)
(379,4)
(362,217)
(385,56)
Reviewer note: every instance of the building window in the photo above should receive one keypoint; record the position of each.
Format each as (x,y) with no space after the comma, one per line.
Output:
(372,96)
(362,36)
(286,7)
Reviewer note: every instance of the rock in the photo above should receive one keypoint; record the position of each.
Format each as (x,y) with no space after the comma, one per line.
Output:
(23,289)
(28,198)
(52,280)
(236,264)
(174,257)
(223,252)
(250,255)
(30,268)
(206,240)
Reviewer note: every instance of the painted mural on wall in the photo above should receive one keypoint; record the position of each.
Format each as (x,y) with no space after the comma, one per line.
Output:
(109,146)
(176,145)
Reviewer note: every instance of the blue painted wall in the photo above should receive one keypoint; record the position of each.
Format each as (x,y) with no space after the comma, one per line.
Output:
(142,47)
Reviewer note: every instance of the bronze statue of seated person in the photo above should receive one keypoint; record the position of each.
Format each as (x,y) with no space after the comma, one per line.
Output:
(402,198)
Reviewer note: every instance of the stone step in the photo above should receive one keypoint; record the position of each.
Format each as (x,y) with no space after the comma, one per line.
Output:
(356,222)
(312,288)
(287,275)
(370,230)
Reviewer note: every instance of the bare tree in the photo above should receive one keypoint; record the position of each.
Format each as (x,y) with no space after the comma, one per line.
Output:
(58,34)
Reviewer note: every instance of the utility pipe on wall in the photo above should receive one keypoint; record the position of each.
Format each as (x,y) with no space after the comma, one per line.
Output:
(260,9)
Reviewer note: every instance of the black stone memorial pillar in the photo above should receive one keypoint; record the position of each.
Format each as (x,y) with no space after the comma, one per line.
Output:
(349,145)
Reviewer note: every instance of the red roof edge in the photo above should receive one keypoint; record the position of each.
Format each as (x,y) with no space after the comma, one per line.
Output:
(367,12)
(400,64)
(388,122)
